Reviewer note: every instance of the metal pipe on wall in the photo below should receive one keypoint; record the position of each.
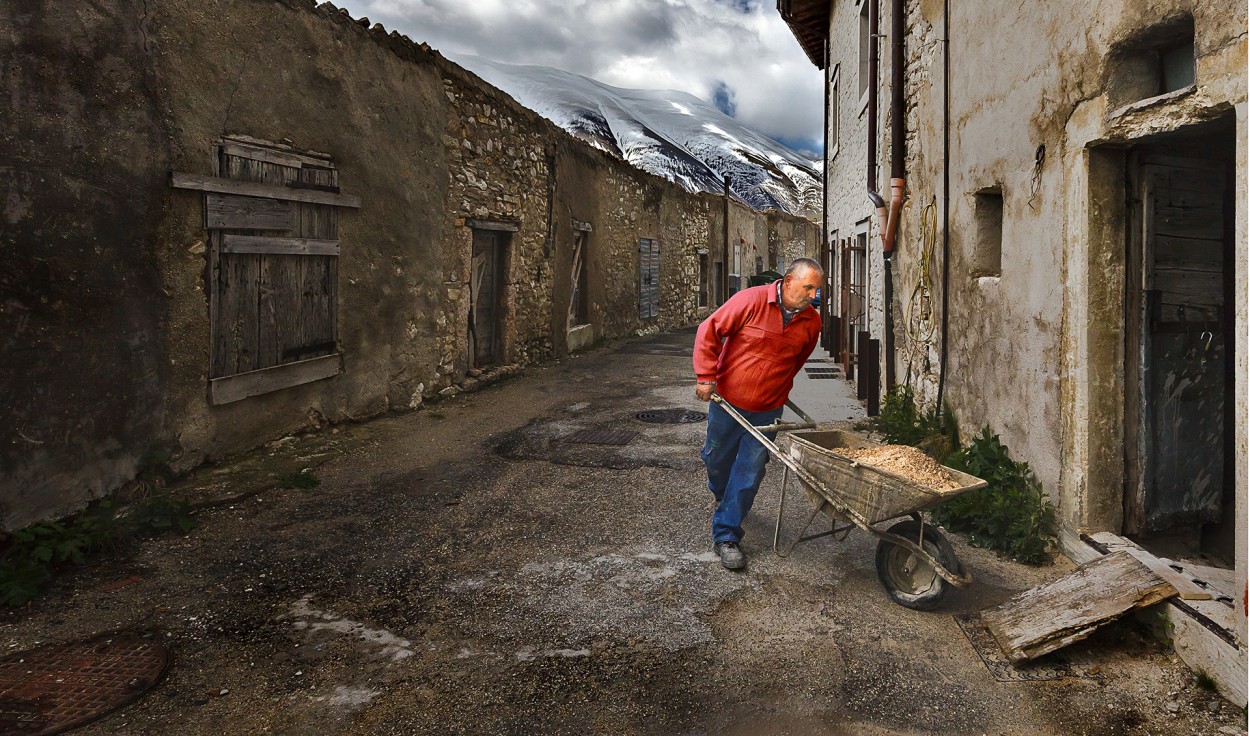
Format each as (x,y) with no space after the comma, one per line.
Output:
(825,249)
(946,196)
(878,203)
(724,272)
(898,181)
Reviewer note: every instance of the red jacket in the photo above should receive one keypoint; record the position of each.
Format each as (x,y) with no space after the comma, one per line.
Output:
(744,348)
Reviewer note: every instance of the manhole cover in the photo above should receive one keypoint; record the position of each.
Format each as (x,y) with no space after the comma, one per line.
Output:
(55,688)
(670,416)
(602,437)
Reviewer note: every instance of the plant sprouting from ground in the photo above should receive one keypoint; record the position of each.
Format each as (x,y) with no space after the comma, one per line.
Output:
(31,556)
(902,423)
(1011,514)
(304,479)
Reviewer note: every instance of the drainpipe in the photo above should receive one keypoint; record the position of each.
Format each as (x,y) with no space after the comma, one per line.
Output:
(878,203)
(898,181)
(873,33)
(724,272)
(946,195)
(826,247)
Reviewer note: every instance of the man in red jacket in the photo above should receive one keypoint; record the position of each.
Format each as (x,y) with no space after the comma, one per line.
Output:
(749,351)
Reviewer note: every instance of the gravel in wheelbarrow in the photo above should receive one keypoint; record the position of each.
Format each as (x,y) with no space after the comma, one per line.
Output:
(875,493)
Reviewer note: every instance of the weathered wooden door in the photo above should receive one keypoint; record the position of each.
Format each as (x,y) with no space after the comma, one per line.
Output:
(485,290)
(1176,461)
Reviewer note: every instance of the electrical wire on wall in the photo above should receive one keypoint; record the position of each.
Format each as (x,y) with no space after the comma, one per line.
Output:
(918,315)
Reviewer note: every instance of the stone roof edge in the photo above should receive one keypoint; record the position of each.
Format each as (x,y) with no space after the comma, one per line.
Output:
(420,52)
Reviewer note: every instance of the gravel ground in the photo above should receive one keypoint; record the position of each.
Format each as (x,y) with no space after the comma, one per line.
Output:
(462,570)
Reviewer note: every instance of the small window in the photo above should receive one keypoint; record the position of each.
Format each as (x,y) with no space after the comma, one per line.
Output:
(272,216)
(1176,67)
(1157,61)
(987,257)
(833,114)
(865,46)
(703,279)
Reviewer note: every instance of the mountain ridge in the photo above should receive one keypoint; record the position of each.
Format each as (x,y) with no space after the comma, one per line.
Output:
(669,133)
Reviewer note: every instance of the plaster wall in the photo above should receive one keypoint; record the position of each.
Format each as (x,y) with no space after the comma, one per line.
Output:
(846,198)
(1036,351)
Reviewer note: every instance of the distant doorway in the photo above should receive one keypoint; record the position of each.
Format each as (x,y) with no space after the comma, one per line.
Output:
(486,297)
(1179,343)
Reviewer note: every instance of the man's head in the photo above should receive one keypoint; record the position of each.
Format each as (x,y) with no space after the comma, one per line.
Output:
(802,279)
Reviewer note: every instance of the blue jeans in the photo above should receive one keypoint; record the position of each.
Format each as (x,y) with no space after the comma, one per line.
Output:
(735,466)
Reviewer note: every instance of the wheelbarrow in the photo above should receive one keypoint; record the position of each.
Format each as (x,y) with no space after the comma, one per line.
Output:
(915,563)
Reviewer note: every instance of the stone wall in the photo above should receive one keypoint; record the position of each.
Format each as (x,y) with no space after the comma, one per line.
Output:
(104,290)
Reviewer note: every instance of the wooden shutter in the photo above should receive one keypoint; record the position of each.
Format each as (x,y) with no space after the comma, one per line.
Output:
(648,278)
(272,217)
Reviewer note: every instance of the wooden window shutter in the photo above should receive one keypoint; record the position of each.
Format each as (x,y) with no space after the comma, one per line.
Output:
(272,217)
(648,278)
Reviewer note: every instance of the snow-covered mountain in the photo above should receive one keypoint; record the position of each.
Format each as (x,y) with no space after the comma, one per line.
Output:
(668,133)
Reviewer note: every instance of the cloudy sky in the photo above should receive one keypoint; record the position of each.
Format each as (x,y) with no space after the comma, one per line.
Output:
(735,53)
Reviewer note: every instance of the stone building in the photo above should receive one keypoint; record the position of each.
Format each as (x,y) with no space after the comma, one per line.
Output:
(227,220)
(1069,257)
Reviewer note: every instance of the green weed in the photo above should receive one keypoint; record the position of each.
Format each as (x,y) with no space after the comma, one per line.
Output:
(1011,514)
(32,556)
(304,479)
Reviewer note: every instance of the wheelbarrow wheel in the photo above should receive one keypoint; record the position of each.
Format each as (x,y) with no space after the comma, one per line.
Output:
(907,577)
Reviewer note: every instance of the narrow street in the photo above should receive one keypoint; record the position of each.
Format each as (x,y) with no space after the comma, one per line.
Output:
(461,569)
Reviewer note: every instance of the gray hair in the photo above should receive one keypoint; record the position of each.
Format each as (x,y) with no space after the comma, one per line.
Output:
(800,264)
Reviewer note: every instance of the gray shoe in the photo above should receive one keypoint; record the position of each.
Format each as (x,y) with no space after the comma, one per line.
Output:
(731,555)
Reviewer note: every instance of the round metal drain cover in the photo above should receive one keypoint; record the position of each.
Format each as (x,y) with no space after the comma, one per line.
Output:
(55,688)
(670,416)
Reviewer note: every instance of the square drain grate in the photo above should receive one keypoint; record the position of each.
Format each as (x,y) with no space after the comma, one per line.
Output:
(822,372)
(1051,667)
(601,437)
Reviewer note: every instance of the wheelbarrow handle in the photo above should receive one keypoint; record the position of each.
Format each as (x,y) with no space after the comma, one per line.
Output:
(802,414)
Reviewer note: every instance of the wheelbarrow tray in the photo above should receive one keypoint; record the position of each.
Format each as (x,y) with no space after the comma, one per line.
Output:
(874,493)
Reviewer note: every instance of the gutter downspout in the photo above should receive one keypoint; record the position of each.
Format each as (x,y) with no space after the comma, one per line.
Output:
(874,33)
(898,181)
(826,246)
(946,196)
(724,275)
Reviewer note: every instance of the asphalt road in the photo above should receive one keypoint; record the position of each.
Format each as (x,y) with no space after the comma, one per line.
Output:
(463,570)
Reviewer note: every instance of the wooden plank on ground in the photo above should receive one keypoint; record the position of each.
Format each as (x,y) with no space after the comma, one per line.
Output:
(219,185)
(1185,586)
(1064,611)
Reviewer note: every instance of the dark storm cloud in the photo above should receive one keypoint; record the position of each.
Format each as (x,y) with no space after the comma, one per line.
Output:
(734,53)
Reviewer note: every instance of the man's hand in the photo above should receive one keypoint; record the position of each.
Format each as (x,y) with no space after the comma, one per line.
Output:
(704,391)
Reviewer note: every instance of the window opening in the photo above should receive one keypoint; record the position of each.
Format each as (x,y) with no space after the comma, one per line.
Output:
(865,37)
(272,216)
(987,258)
(833,114)
(703,279)
(1158,60)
